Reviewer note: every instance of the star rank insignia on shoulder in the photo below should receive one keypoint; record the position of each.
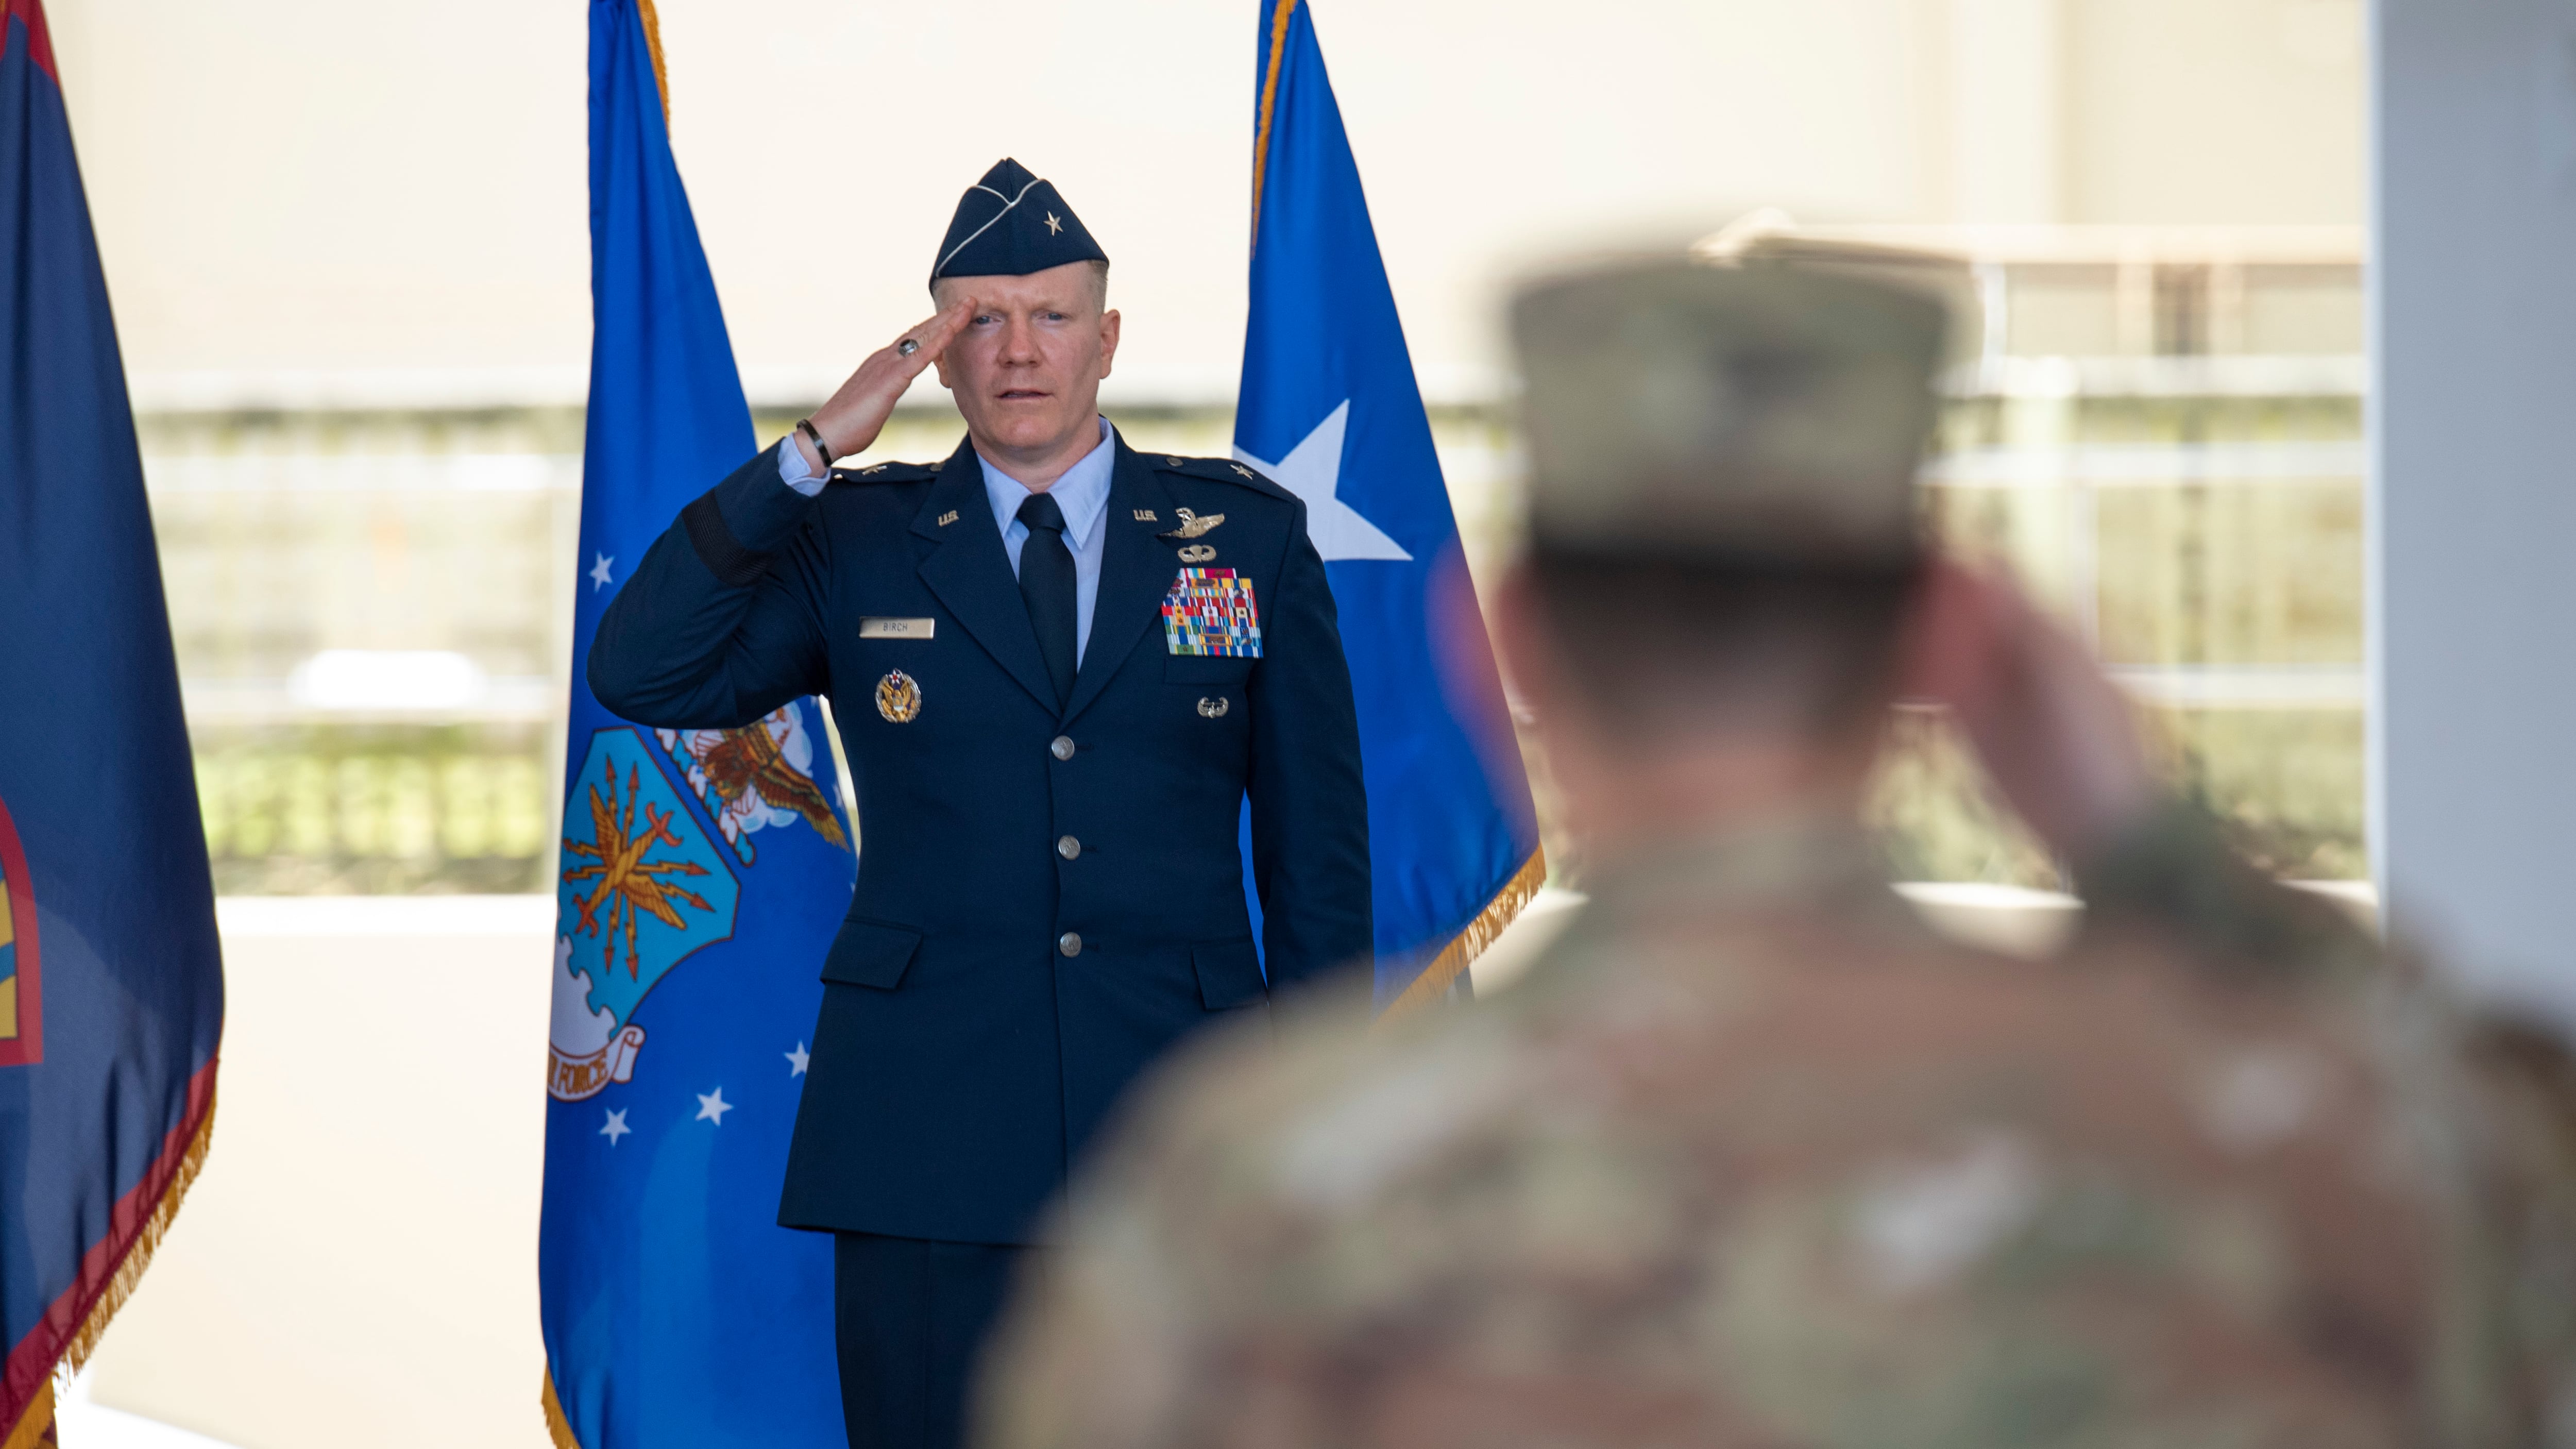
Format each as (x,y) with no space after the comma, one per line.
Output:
(1221,470)
(886,473)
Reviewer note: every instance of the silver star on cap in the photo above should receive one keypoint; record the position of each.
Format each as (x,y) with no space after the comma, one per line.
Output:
(1054,227)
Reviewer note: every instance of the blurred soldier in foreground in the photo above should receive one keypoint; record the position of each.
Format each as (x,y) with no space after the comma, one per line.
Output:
(1752,1157)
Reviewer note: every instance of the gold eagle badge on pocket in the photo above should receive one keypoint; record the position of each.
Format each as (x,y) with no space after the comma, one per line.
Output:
(898,698)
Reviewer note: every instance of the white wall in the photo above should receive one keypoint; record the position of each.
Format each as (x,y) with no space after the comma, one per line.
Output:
(2215,111)
(356,1265)
(308,199)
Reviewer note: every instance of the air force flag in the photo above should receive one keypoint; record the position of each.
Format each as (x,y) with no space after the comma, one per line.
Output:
(702,874)
(1330,410)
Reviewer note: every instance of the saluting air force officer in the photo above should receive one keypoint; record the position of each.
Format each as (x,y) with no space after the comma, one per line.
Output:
(1060,670)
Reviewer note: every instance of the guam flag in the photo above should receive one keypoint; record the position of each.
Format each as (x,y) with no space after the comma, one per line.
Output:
(701,876)
(1329,408)
(111,985)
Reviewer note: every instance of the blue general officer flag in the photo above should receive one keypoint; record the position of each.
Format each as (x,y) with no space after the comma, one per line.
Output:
(1329,408)
(111,981)
(701,876)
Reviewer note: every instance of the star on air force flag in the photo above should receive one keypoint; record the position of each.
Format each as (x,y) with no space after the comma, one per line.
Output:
(1329,409)
(701,876)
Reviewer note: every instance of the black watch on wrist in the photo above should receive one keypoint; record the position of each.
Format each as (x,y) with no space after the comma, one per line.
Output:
(814,435)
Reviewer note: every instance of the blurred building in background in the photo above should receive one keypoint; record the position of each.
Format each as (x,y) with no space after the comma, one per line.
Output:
(2158,428)
(358,334)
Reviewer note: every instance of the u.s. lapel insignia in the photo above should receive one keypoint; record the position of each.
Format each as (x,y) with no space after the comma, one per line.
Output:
(1192,525)
(1176,462)
(948,518)
(898,698)
(1146,515)
(1197,553)
(1214,708)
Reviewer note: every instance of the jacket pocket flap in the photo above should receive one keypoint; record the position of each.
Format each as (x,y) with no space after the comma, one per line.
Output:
(1229,973)
(868,953)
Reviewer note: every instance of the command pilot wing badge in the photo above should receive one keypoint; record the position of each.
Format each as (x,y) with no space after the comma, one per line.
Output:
(1192,525)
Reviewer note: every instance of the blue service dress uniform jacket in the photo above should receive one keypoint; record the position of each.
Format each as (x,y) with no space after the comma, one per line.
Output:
(1047,898)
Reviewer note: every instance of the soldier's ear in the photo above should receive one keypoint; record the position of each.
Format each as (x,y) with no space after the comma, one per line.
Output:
(1108,340)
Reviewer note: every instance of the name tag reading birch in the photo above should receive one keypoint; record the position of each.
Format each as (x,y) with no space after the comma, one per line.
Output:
(884,628)
(1210,611)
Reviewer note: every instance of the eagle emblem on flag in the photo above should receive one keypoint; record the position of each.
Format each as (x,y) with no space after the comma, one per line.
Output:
(757,776)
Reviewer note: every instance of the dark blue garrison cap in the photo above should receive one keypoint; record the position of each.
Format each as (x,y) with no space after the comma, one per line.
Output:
(1011,224)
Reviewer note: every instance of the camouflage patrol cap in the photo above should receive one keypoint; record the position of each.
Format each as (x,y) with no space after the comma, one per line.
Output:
(1762,411)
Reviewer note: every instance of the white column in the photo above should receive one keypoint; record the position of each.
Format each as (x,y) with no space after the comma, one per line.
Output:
(2473,490)
(2007,111)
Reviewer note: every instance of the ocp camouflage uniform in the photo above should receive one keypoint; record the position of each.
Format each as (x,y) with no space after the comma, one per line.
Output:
(1753,1158)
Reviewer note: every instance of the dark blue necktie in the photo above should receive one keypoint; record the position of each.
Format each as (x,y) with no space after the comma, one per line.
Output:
(1046,586)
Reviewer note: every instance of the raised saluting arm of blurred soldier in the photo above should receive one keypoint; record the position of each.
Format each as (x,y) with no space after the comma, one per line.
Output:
(2495,1092)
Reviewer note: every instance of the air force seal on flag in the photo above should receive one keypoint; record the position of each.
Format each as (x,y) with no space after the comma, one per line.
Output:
(642,889)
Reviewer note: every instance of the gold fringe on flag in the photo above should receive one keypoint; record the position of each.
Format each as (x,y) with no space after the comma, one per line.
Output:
(129,1273)
(556,1423)
(35,1427)
(1269,93)
(653,42)
(1470,943)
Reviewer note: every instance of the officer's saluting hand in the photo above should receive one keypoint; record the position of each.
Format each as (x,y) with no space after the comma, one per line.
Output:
(858,409)
(1062,671)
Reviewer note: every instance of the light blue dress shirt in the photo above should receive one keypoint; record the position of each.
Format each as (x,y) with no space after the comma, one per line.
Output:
(1083,494)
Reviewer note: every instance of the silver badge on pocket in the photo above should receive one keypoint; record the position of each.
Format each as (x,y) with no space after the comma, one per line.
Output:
(1214,708)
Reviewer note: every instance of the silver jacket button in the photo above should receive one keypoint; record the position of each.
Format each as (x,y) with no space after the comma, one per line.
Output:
(1067,846)
(1061,747)
(1069,943)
